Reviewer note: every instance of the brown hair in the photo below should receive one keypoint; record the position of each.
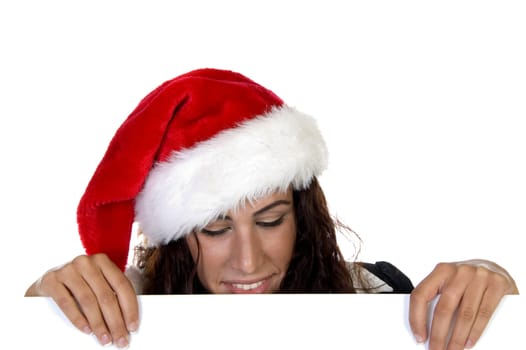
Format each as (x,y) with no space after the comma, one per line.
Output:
(317,264)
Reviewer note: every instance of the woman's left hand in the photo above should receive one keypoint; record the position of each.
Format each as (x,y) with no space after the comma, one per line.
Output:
(470,291)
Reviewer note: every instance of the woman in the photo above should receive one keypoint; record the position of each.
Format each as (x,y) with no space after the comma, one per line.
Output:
(221,177)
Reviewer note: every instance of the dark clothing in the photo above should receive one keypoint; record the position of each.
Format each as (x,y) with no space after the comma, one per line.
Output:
(391,275)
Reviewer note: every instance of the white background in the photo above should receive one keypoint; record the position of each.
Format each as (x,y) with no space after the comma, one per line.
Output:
(422,106)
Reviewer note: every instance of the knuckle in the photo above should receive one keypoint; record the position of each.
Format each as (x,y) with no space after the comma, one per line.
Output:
(418,294)
(467,270)
(442,266)
(482,272)
(107,297)
(485,313)
(442,311)
(467,314)
(63,272)
(100,257)
(80,260)
(48,281)
(122,283)
(63,303)
(499,281)
(445,269)
(447,304)
(86,300)
(450,295)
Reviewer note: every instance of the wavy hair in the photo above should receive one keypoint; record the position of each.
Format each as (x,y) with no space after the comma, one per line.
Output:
(317,264)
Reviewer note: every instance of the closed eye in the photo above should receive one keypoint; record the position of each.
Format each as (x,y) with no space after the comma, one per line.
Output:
(265,224)
(270,223)
(215,232)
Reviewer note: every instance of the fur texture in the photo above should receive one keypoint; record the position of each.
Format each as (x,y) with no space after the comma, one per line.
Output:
(181,131)
(195,186)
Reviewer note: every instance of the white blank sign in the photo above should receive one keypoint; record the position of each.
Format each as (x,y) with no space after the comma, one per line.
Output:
(260,322)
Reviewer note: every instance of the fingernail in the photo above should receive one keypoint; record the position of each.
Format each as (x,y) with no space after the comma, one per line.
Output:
(132,327)
(122,343)
(469,344)
(87,330)
(105,340)
(419,338)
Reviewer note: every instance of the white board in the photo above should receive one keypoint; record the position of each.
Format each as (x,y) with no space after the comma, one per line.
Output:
(257,322)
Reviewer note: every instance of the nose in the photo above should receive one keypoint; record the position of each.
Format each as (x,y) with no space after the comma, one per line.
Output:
(247,253)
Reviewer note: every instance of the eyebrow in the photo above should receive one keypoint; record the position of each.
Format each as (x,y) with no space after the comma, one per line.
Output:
(271,205)
(264,209)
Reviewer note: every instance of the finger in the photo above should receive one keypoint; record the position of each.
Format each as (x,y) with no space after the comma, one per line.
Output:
(488,305)
(450,297)
(106,313)
(467,310)
(124,291)
(65,301)
(419,301)
(86,298)
(418,310)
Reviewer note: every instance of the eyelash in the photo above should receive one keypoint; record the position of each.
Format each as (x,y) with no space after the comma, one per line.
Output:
(214,233)
(271,223)
(260,223)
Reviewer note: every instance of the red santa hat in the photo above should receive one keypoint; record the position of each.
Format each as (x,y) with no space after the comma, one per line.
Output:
(195,147)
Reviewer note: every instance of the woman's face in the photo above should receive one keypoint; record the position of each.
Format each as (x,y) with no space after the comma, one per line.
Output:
(248,250)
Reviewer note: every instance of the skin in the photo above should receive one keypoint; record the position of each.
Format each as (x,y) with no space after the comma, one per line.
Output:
(242,251)
(95,296)
(471,288)
(248,250)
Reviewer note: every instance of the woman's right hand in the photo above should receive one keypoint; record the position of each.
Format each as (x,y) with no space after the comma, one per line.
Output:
(95,295)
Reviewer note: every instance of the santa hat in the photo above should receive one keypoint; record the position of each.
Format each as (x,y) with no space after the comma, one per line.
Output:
(195,147)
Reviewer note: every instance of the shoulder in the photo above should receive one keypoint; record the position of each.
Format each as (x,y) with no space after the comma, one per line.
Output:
(379,277)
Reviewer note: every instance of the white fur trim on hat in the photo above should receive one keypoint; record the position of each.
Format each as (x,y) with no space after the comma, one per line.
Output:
(197,185)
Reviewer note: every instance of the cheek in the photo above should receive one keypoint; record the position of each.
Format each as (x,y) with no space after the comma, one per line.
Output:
(282,247)
(191,241)
(213,256)
(196,250)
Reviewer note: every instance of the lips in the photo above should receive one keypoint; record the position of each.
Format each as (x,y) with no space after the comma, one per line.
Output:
(252,287)
(247,286)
